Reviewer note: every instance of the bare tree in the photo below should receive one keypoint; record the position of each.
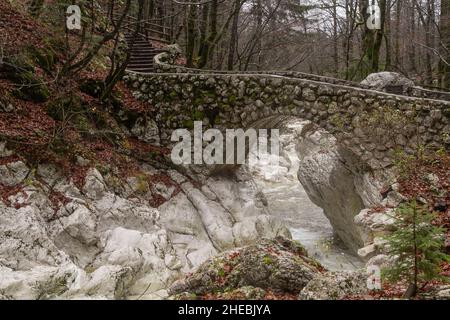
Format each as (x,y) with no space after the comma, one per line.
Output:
(444,64)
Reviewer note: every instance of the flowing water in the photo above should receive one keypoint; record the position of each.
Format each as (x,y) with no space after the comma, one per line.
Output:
(288,201)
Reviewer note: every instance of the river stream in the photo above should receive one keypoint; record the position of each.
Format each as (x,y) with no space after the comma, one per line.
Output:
(288,201)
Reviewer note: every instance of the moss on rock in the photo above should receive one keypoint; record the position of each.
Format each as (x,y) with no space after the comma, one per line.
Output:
(21,71)
(273,264)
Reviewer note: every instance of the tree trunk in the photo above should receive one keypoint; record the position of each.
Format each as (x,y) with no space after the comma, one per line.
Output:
(207,50)
(190,36)
(335,39)
(429,33)
(372,40)
(234,35)
(146,10)
(350,25)
(259,22)
(444,67)
(398,34)
(387,37)
(379,34)
(412,46)
(411,292)
(203,30)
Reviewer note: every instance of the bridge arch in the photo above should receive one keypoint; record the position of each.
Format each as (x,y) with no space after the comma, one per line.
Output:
(369,126)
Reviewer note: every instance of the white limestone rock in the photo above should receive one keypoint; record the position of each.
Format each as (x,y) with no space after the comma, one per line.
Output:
(11,174)
(40,282)
(335,286)
(146,129)
(375,222)
(4,152)
(24,241)
(94,186)
(380,80)
(99,245)
(328,175)
(215,218)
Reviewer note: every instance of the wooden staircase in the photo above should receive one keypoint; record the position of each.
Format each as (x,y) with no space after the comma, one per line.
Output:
(142,54)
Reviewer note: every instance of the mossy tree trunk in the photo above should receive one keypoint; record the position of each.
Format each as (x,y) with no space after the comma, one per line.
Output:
(444,66)
(209,43)
(190,34)
(203,28)
(234,35)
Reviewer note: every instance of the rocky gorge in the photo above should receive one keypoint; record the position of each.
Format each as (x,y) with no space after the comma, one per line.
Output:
(105,241)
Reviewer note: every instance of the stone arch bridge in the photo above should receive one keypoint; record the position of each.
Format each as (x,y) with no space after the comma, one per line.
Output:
(372,124)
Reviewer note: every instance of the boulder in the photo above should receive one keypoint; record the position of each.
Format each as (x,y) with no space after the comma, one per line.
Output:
(335,286)
(278,265)
(146,129)
(382,80)
(330,176)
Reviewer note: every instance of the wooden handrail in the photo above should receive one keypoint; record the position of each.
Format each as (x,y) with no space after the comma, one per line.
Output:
(149,28)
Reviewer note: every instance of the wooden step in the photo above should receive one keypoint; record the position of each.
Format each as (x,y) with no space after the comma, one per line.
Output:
(143,70)
(140,62)
(137,65)
(143,54)
(136,40)
(137,58)
(140,47)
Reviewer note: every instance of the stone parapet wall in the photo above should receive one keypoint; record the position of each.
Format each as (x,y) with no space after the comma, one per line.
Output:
(164,67)
(164,63)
